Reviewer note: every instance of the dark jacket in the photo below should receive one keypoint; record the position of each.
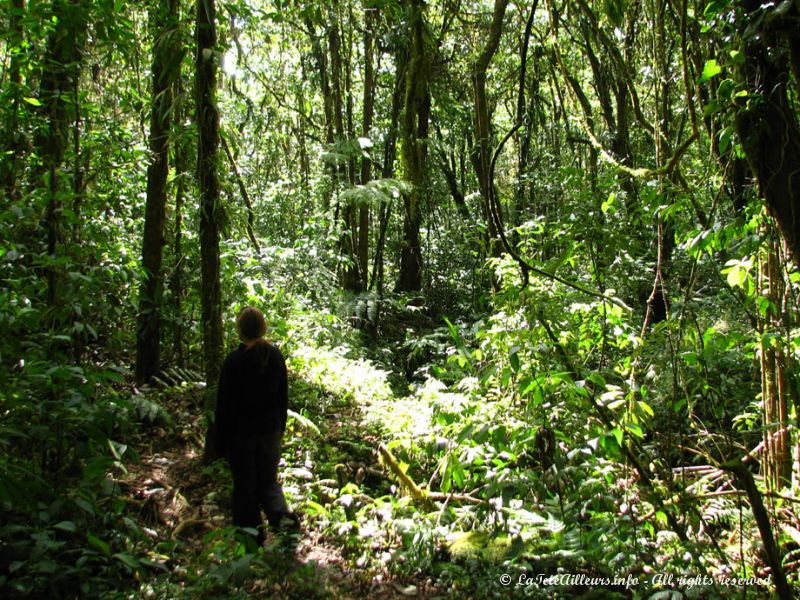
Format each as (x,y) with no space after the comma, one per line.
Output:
(253,394)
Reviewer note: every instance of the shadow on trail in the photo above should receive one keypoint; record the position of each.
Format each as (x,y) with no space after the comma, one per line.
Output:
(329,472)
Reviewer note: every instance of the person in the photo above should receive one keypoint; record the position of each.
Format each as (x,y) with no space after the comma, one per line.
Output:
(252,403)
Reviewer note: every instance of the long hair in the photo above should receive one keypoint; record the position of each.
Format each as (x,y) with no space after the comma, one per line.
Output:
(251,324)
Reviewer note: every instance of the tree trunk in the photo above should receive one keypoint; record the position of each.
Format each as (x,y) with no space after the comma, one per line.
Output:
(777,460)
(744,481)
(148,340)
(176,279)
(248,204)
(60,80)
(524,117)
(366,163)
(349,278)
(9,163)
(767,123)
(416,107)
(450,176)
(210,210)
(483,121)
(320,57)
(387,171)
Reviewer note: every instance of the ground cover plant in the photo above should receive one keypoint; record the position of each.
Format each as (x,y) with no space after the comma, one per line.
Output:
(533,265)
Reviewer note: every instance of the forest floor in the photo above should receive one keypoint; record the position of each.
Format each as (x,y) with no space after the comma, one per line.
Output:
(186,501)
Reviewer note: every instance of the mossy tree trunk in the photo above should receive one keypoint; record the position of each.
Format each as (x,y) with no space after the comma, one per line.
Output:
(210,210)
(483,134)
(148,339)
(415,123)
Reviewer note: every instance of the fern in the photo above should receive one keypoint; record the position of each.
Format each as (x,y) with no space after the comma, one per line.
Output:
(148,411)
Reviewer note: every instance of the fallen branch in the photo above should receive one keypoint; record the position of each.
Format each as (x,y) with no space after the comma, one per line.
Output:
(467,499)
(416,492)
(183,526)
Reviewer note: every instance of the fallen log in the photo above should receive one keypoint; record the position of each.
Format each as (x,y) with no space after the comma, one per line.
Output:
(417,493)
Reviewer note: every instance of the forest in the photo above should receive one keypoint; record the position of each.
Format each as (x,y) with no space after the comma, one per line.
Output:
(533,266)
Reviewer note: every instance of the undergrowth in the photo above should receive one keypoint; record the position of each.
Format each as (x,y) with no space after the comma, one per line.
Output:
(483,472)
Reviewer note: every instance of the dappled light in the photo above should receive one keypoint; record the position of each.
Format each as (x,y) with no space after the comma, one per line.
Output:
(399,299)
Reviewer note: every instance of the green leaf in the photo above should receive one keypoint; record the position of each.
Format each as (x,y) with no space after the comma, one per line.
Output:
(725,90)
(617,433)
(241,568)
(609,203)
(526,384)
(104,547)
(634,429)
(152,564)
(32,101)
(127,560)
(725,137)
(313,508)
(86,505)
(736,276)
(711,108)
(615,11)
(117,449)
(303,421)
(68,526)
(737,57)
(711,69)
(465,433)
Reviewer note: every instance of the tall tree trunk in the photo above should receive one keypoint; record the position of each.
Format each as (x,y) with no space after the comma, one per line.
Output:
(366,163)
(176,278)
(148,339)
(302,151)
(523,117)
(767,124)
(9,163)
(347,56)
(324,80)
(416,114)
(777,460)
(210,210)
(321,59)
(349,278)
(248,204)
(60,80)
(387,171)
(483,121)
(448,166)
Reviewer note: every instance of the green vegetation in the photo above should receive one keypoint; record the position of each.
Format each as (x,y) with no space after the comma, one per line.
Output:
(533,265)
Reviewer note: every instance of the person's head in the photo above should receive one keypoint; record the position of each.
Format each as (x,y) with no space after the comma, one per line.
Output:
(251,324)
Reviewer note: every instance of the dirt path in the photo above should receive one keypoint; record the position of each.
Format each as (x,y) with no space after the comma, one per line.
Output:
(182,502)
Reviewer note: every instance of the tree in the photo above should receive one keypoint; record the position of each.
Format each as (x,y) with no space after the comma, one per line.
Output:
(767,120)
(207,118)
(482,131)
(366,162)
(166,64)
(60,81)
(415,122)
(10,163)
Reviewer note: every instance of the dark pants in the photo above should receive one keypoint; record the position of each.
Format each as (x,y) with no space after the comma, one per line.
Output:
(254,464)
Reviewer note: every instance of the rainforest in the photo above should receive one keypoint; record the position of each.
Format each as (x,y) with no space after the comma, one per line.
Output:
(532,265)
